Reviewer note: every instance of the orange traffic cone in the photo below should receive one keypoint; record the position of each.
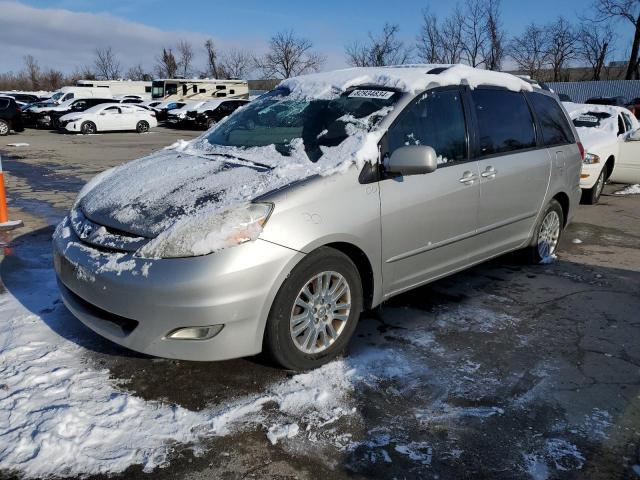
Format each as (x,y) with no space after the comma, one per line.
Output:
(5,223)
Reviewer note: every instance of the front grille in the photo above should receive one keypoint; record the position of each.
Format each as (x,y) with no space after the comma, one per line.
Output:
(105,237)
(126,325)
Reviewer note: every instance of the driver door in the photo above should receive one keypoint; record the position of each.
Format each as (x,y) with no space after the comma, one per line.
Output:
(429,221)
(627,166)
(110,119)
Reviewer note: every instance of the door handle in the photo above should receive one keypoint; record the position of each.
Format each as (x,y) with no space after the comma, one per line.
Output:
(468,177)
(490,172)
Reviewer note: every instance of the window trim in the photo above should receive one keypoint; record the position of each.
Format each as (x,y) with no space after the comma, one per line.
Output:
(476,129)
(383,144)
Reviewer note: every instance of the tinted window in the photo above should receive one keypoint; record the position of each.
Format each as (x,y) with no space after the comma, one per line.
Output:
(436,119)
(553,123)
(4,103)
(504,121)
(627,122)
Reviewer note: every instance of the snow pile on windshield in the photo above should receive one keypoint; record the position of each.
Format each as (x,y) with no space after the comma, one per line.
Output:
(597,125)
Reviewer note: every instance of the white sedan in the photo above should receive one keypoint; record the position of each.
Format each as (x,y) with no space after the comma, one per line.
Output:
(110,117)
(611,139)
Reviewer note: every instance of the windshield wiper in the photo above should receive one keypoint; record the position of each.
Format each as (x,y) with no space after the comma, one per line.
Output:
(235,157)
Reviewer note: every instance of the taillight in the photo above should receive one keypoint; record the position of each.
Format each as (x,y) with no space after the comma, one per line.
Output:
(18,110)
(581,148)
(153,114)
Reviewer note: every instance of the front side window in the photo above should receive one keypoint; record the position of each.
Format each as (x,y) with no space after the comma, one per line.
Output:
(553,124)
(436,120)
(504,121)
(278,118)
(627,122)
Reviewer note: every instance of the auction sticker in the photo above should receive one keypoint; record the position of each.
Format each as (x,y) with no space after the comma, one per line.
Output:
(382,94)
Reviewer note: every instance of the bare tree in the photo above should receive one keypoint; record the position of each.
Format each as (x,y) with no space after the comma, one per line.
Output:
(561,41)
(137,73)
(166,64)
(496,44)
(32,70)
(452,35)
(235,63)
(106,64)
(474,32)
(52,79)
(186,58)
(626,10)
(595,43)
(430,41)
(385,49)
(529,50)
(289,55)
(212,58)
(87,73)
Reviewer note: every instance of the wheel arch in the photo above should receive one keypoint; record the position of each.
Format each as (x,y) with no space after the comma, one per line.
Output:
(609,164)
(363,264)
(563,199)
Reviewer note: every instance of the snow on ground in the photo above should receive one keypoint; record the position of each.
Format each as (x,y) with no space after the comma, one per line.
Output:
(62,415)
(18,144)
(629,190)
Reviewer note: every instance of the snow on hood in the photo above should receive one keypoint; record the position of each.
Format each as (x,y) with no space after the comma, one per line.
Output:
(181,188)
(603,135)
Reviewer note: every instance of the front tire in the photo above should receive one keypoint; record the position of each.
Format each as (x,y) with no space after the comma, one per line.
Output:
(4,128)
(591,196)
(547,233)
(142,126)
(315,311)
(210,123)
(88,128)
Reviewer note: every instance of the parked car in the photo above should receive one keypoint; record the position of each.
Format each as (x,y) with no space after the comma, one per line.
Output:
(68,93)
(163,108)
(49,116)
(178,117)
(611,140)
(327,196)
(109,117)
(24,98)
(615,101)
(213,111)
(10,118)
(634,107)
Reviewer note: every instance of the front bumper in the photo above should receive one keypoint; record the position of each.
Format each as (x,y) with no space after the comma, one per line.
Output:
(589,174)
(135,302)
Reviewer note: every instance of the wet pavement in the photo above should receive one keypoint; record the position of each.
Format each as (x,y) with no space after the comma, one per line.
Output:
(500,372)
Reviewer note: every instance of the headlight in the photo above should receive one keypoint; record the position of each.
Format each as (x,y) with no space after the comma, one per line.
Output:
(205,233)
(71,120)
(590,158)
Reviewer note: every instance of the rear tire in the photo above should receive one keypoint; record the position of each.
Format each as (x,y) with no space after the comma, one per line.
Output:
(142,126)
(591,196)
(88,128)
(546,235)
(4,128)
(300,336)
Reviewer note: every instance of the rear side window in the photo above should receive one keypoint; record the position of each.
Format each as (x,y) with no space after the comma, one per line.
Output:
(553,123)
(504,121)
(436,120)
(4,103)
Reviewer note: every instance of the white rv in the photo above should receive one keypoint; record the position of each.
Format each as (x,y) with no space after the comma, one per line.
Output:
(119,87)
(198,89)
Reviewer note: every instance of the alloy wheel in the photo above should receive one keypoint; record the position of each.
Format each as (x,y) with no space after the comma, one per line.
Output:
(549,234)
(320,312)
(4,128)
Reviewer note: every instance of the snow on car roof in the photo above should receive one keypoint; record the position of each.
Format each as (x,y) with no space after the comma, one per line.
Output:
(407,78)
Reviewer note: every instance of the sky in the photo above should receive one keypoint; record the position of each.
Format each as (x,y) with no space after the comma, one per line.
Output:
(64,34)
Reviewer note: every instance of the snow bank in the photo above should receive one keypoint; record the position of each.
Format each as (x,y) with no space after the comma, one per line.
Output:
(629,190)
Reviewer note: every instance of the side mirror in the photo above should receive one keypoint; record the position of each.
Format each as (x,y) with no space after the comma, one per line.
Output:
(413,160)
(634,136)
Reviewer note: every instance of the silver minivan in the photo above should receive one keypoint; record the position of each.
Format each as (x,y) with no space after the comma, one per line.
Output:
(325,197)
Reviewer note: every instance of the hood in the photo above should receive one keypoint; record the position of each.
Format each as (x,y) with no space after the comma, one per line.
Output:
(145,197)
